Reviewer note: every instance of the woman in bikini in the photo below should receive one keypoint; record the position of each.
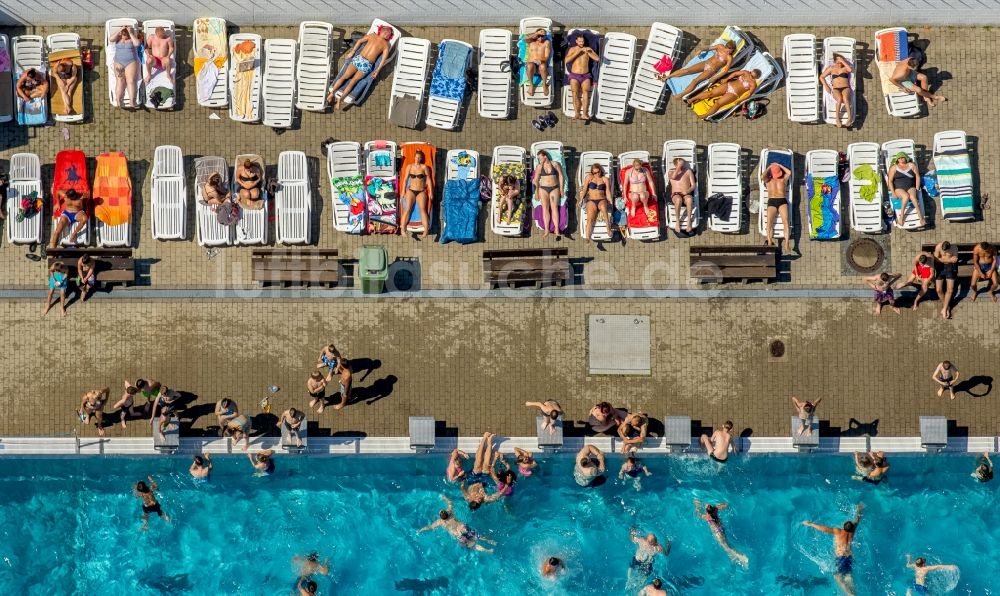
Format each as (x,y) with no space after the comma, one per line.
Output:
(711,69)
(525,461)
(710,513)
(455,472)
(416,193)
(548,182)
(637,189)
(67,80)
(776,179)
(682,183)
(903,180)
(731,88)
(92,408)
(595,193)
(126,66)
(248,177)
(510,191)
(839,87)
(215,192)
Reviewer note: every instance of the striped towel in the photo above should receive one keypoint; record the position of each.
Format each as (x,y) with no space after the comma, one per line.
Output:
(955,180)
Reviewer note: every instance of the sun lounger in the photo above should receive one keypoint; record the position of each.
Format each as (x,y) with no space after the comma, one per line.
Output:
(556,154)
(113,200)
(409,152)
(244,77)
(293,200)
(770,77)
(843,46)
(615,79)
(892,47)
(347,186)
(744,47)
(210,231)
(865,187)
(647,90)
(823,194)
(278,87)
(688,151)
(508,160)
(954,174)
(910,220)
(71,173)
(783,157)
(252,227)
(65,46)
(364,86)
(381,187)
(725,177)
(161,88)
(112,27)
(211,62)
(26,187)
(494,84)
(593,41)
(802,82)
(448,84)
(642,225)
(6,81)
(169,194)
(536,99)
(460,205)
(28,53)
(312,72)
(406,98)
(602,232)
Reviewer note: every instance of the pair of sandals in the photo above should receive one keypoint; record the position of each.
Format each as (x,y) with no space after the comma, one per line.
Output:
(542,122)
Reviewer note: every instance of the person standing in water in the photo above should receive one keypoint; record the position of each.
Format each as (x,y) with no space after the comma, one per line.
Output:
(653,589)
(710,513)
(984,468)
(920,570)
(843,538)
(647,547)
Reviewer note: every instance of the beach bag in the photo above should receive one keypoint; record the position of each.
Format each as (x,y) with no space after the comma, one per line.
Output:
(931,184)
(754,109)
(664,65)
(485,188)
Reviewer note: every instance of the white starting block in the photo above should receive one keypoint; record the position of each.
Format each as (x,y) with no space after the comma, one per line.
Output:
(802,441)
(422,433)
(548,440)
(288,438)
(677,433)
(171,440)
(933,432)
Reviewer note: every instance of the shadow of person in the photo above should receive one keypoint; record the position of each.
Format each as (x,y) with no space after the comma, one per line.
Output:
(975,386)
(364,364)
(856,428)
(380,389)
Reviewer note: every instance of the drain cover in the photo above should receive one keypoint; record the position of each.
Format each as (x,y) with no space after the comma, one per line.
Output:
(777,348)
(864,255)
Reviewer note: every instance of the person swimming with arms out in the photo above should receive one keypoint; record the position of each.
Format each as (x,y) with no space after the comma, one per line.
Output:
(149,502)
(710,513)
(634,469)
(465,535)
(843,538)
(920,570)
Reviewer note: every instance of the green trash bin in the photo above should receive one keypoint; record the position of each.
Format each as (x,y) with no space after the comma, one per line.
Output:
(374,264)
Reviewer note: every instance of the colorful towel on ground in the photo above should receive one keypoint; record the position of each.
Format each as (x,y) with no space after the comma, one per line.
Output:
(449,79)
(382,205)
(34,112)
(679,83)
(893,47)
(522,60)
(954,173)
(70,173)
(536,205)
(112,189)
(55,97)
(460,211)
(823,195)
(863,173)
(641,218)
(350,191)
(409,151)
(501,171)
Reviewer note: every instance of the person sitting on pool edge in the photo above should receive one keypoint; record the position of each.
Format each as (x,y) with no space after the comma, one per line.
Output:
(718,445)
(550,409)
(633,430)
(201,467)
(465,535)
(872,466)
(604,417)
(149,502)
(984,468)
(590,467)
(482,470)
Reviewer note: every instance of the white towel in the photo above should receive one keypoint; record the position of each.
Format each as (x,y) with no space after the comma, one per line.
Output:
(207,78)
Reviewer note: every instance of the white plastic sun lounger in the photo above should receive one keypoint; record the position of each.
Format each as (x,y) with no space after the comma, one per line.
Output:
(910,220)
(509,154)
(615,79)
(244,77)
(343,159)
(824,220)
(211,62)
(897,102)
(538,99)
(111,27)
(602,233)
(567,90)
(725,177)
(954,174)
(802,79)
(25,180)
(447,92)
(647,90)
(58,42)
(161,79)
(210,231)
(843,46)
(494,73)
(252,226)
(768,156)
(169,194)
(686,150)
(409,81)
(28,52)
(312,72)
(866,215)
(292,200)
(637,232)
(279,83)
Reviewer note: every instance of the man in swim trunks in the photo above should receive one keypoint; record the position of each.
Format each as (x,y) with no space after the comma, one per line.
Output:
(922,274)
(647,549)
(578,61)
(73,214)
(984,268)
(907,77)
(718,445)
(633,431)
(159,52)
(776,179)
(842,539)
(682,186)
(653,589)
(149,502)
(882,285)
(946,262)
(31,85)
(465,535)
(292,419)
(482,470)
(920,570)
(712,68)
(201,467)
(376,46)
(539,53)
(589,468)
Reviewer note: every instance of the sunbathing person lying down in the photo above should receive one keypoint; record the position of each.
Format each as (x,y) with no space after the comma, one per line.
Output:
(159,52)
(362,64)
(730,88)
(712,68)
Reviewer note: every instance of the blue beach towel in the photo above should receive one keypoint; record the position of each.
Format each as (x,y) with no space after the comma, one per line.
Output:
(460,211)
(449,79)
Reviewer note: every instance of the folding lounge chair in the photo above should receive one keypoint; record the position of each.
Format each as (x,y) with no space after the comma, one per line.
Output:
(647,90)
(865,188)
(364,86)
(785,158)
(802,82)
(113,200)
(211,62)
(63,46)
(593,41)
(71,174)
(279,83)
(25,185)
(409,152)
(161,88)
(823,212)
(28,53)
(911,218)
(616,77)
(770,76)
(602,232)
(111,28)
(252,227)
(686,150)
(312,72)
(347,186)
(744,47)
(169,194)
(843,46)
(210,231)
(508,160)
(536,99)
(244,77)
(642,225)
(460,205)
(556,154)
(449,83)
(292,200)
(495,80)
(725,178)
(6,81)
(892,47)
(381,187)
(954,174)
(406,98)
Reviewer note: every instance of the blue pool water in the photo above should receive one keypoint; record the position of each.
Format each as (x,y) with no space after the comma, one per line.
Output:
(71,526)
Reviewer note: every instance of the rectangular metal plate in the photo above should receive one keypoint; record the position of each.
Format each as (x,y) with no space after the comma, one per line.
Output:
(619,345)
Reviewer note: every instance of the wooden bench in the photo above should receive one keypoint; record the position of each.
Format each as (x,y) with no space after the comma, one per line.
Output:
(964,256)
(526,266)
(719,263)
(295,266)
(113,265)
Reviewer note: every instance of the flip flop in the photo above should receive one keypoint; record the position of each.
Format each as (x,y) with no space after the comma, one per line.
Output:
(539,124)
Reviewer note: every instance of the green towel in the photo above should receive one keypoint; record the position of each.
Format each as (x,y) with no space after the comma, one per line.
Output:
(866,172)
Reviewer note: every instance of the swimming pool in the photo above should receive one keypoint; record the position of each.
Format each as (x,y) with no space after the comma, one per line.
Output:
(72,526)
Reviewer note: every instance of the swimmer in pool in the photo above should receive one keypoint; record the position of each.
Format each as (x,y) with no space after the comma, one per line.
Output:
(503,480)
(920,570)
(718,445)
(465,535)
(647,548)
(842,540)
(149,503)
(653,589)
(310,565)
(710,513)
(262,462)
(634,469)
(984,468)
(872,467)
(201,467)
(552,567)
(525,461)
(455,472)
(474,484)
(306,586)
(589,468)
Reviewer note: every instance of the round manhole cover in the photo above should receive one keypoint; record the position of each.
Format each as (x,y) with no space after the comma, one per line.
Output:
(777,348)
(864,255)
